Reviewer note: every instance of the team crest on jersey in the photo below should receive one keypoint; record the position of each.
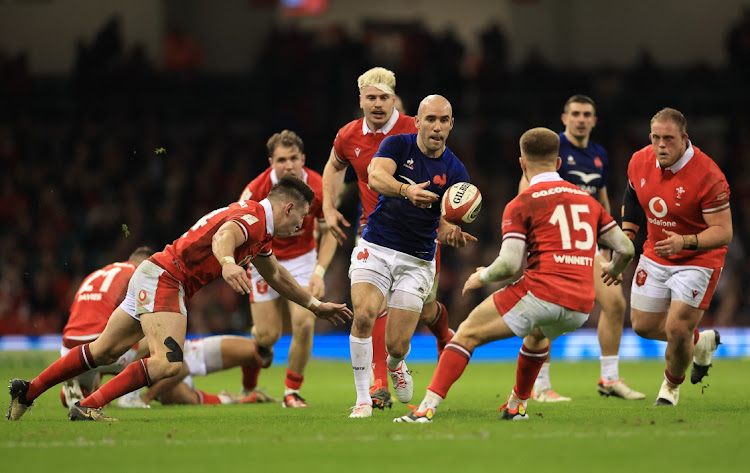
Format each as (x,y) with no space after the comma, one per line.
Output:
(363,255)
(571,160)
(640,277)
(261,286)
(598,162)
(440,181)
(678,192)
(357,151)
(409,164)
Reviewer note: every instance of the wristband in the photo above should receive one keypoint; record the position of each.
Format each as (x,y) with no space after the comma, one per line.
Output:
(312,304)
(319,271)
(688,243)
(484,276)
(402,191)
(226,260)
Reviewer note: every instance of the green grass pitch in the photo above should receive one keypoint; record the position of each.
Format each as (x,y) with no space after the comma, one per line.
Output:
(709,431)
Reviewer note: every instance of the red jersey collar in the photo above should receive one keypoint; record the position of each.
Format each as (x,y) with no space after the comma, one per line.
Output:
(269,215)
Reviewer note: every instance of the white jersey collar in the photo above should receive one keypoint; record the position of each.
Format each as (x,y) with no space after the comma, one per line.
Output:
(269,215)
(386,128)
(551,176)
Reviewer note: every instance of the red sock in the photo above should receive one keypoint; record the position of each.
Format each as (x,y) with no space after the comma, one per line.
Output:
(134,376)
(379,354)
(293,380)
(250,377)
(207,398)
(440,327)
(77,361)
(672,379)
(529,364)
(450,367)
(696,335)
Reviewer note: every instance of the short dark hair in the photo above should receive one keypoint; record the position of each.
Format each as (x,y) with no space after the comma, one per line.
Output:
(671,114)
(286,138)
(579,98)
(292,187)
(540,144)
(141,253)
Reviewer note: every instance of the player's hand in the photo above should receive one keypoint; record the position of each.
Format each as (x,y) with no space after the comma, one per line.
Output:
(333,313)
(317,286)
(236,277)
(455,237)
(669,246)
(607,278)
(420,197)
(473,282)
(335,221)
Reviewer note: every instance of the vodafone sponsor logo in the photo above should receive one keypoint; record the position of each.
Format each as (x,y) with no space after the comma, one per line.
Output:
(658,208)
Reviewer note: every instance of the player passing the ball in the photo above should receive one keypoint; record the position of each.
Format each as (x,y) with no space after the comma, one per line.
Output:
(395,258)
(559,225)
(218,245)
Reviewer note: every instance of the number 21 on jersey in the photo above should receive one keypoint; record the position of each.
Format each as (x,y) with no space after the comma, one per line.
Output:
(564,216)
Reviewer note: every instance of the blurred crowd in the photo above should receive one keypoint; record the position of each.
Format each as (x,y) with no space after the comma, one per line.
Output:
(123,152)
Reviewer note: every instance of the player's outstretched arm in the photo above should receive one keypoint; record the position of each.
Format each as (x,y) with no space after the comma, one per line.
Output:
(326,250)
(224,242)
(503,269)
(333,181)
(622,254)
(284,283)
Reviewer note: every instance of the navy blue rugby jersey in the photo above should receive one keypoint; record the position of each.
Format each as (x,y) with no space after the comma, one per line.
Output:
(398,224)
(588,168)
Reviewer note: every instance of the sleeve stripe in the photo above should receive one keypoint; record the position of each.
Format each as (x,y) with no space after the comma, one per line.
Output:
(244,230)
(335,155)
(517,236)
(716,209)
(607,227)
(266,254)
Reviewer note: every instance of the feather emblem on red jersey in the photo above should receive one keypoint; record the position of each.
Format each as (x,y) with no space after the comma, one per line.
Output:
(440,181)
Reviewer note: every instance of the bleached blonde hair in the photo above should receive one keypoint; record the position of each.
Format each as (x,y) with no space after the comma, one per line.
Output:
(380,78)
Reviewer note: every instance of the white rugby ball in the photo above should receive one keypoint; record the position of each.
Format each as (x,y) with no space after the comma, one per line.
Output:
(461,203)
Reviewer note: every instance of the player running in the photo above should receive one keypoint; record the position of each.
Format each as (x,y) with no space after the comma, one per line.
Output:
(559,224)
(684,197)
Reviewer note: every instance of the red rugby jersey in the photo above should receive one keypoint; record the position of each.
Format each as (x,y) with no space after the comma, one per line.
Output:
(304,240)
(353,146)
(676,199)
(97,297)
(560,224)
(190,258)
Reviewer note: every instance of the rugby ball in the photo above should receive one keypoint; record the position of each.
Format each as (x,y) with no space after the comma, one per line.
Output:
(461,203)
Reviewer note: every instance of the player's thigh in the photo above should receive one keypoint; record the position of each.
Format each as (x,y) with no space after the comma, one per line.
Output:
(165,333)
(120,334)
(267,317)
(367,299)
(683,317)
(645,322)
(237,351)
(483,325)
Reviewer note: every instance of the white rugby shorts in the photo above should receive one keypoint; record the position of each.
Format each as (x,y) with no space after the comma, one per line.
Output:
(203,355)
(301,268)
(530,312)
(391,270)
(655,286)
(153,289)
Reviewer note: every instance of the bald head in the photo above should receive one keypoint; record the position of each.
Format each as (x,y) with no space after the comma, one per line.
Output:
(540,146)
(435,104)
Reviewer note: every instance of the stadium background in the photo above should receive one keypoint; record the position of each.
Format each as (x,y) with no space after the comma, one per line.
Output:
(121,123)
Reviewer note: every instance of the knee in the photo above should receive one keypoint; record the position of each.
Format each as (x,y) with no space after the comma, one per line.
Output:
(679,333)
(266,336)
(640,329)
(362,324)
(304,328)
(614,308)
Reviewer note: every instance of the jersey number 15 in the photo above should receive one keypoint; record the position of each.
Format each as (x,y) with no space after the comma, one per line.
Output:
(562,217)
